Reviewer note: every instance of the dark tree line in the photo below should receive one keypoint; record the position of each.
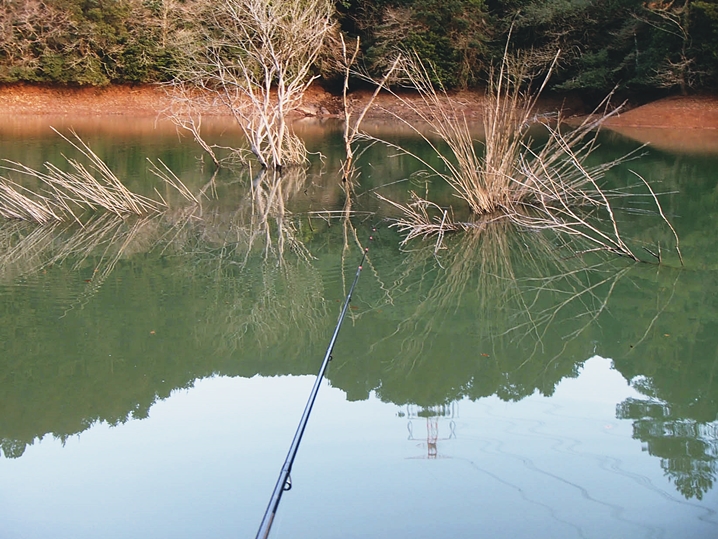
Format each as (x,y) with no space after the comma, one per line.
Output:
(639,46)
(634,45)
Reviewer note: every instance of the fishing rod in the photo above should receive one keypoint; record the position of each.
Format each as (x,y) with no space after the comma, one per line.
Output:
(284,482)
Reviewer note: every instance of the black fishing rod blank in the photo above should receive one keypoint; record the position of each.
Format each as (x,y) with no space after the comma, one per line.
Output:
(284,482)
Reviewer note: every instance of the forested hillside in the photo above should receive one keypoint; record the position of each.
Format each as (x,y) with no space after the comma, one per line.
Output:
(639,46)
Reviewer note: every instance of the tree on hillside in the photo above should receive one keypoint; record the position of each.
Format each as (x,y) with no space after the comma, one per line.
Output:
(634,45)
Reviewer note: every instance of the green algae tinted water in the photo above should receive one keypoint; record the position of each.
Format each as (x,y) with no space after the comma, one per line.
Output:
(153,371)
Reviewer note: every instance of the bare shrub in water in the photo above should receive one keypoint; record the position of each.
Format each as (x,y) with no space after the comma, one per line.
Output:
(19,203)
(352,126)
(551,187)
(93,186)
(256,63)
(66,195)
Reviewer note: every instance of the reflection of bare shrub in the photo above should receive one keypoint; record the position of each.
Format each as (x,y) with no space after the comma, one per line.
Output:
(525,301)
(257,245)
(23,248)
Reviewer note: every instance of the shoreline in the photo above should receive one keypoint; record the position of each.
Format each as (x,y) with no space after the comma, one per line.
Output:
(678,123)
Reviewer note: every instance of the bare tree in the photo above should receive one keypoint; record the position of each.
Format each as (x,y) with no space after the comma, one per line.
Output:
(257,62)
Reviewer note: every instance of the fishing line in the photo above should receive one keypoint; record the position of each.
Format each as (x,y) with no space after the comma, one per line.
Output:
(284,482)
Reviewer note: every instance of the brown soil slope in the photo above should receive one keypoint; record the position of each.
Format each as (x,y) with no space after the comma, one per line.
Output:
(685,124)
(680,123)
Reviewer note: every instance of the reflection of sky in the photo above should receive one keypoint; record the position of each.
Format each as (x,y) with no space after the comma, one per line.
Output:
(205,462)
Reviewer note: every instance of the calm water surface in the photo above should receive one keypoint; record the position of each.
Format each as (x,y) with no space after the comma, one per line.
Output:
(153,371)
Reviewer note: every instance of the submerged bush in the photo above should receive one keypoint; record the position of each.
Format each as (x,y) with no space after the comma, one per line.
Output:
(551,187)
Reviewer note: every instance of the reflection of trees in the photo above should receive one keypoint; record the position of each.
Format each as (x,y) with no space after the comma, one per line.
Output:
(688,449)
(87,347)
(497,313)
(229,290)
(674,363)
(672,356)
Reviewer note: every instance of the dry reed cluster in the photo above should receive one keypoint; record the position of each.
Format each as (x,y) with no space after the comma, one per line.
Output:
(551,186)
(63,194)
(75,195)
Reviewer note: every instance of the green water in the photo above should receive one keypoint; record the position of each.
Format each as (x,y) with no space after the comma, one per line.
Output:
(153,370)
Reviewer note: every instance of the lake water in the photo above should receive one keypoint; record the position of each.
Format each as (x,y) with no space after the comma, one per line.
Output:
(153,371)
